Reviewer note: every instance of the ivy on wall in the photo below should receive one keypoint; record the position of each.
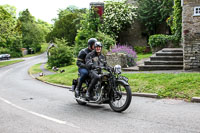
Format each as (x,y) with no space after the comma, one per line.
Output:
(175,23)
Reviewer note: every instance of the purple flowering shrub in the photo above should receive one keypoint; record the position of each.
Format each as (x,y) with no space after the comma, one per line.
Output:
(128,50)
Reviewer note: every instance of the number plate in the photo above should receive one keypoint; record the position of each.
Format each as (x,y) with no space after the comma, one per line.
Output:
(123,78)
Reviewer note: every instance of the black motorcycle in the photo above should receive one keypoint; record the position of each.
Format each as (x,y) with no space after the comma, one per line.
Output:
(112,89)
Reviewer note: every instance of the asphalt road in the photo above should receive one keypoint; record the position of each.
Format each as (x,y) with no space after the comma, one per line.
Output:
(31,106)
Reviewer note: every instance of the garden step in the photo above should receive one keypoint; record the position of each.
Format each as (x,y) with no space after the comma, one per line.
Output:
(160,53)
(166,58)
(172,50)
(160,67)
(163,62)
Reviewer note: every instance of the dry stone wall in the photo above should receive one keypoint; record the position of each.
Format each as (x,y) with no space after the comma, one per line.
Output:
(191,35)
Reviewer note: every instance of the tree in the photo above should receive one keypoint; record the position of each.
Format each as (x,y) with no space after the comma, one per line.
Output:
(88,29)
(66,25)
(10,9)
(32,34)
(10,37)
(117,16)
(151,13)
(61,55)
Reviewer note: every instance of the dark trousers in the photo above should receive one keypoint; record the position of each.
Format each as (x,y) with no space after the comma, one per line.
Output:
(83,75)
(94,79)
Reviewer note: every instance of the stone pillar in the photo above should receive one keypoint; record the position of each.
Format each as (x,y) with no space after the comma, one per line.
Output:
(191,35)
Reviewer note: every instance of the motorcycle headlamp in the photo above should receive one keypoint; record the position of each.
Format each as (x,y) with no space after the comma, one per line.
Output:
(117,69)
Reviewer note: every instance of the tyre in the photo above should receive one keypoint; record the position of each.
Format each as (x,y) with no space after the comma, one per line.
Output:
(121,101)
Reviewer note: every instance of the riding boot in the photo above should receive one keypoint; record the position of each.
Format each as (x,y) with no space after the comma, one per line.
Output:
(78,88)
(88,93)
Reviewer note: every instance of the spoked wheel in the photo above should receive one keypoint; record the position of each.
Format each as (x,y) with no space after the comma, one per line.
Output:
(122,98)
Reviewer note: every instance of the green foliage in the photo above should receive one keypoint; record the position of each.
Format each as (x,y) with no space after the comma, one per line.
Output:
(10,9)
(117,16)
(177,20)
(4,50)
(10,36)
(139,49)
(160,40)
(66,25)
(61,55)
(33,32)
(106,40)
(175,23)
(88,29)
(151,13)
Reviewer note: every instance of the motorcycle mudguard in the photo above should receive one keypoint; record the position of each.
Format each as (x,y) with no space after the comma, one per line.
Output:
(123,82)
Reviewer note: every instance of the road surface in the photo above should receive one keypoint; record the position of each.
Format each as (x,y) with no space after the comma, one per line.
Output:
(30,106)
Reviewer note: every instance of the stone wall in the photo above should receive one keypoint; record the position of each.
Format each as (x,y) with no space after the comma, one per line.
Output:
(117,59)
(191,35)
(136,35)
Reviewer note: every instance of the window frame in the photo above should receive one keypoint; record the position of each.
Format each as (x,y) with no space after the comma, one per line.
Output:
(195,9)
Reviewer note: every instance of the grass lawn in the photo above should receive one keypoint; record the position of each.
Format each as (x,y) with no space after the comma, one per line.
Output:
(6,63)
(181,85)
(142,56)
(35,69)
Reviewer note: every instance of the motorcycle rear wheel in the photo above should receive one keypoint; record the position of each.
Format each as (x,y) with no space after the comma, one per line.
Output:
(116,103)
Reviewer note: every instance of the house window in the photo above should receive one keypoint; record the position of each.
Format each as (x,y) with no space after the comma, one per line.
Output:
(197,11)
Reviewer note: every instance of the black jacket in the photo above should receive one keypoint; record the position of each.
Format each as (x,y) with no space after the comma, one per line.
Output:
(81,57)
(93,60)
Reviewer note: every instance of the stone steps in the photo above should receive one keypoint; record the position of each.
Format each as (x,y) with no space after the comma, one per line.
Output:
(163,62)
(165,59)
(169,53)
(160,67)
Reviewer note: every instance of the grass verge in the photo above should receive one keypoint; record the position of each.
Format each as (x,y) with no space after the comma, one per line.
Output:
(35,69)
(6,63)
(181,85)
(62,78)
(178,85)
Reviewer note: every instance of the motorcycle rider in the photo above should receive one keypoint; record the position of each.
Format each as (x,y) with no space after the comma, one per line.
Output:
(81,64)
(94,61)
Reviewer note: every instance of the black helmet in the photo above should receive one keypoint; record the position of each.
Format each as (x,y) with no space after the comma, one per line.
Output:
(91,42)
(98,44)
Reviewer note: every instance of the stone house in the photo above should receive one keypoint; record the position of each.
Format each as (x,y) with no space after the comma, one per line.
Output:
(191,34)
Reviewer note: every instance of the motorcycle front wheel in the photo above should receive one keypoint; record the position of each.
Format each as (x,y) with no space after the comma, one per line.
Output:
(121,100)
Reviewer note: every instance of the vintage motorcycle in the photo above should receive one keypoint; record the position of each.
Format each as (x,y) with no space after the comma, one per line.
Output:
(112,89)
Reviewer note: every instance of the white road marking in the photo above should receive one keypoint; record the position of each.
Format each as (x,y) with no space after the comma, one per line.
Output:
(39,115)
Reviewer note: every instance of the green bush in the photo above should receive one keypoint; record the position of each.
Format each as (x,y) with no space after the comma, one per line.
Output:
(160,40)
(89,29)
(16,54)
(106,40)
(81,40)
(61,55)
(139,49)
